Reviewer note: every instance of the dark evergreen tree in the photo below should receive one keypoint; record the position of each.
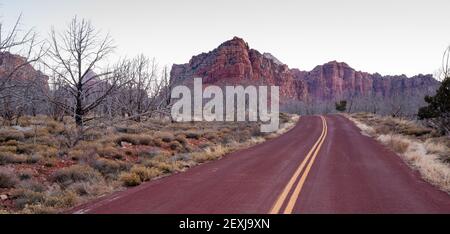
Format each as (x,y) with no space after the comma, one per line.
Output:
(438,109)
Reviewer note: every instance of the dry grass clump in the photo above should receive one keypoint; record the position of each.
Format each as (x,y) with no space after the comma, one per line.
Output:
(127,129)
(165,136)
(32,185)
(43,202)
(8,148)
(209,154)
(108,167)
(192,134)
(7,178)
(396,142)
(141,139)
(8,157)
(11,134)
(211,136)
(175,145)
(110,152)
(181,138)
(164,166)
(130,179)
(86,151)
(139,174)
(23,197)
(145,173)
(26,174)
(75,173)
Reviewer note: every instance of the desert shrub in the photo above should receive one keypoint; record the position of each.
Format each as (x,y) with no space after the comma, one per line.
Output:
(54,127)
(181,138)
(130,179)
(48,152)
(399,146)
(226,139)
(75,173)
(438,144)
(341,106)
(76,154)
(8,148)
(145,173)
(158,142)
(415,131)
(7,178)
(192,134)
(62,199)
(188,148)
(134,129)
(25,174)
(128,151)
(166,167)
(181,157)
(284,118)
(149,153)
(80,188)
(256,131)
(209,154)
(24,120)
(205,145)
(34,158)
(110,152)
(11,134)
(145,140)
(202,157)
(50,162)
(91,146)
(165,136)
(32,185)
(23,197)
(107,166)
(92,135)
(8,157)
(85,154)
(212,136)
(396,143)
(124,166)
(25,149)
(47,140)
(12,143)
(175,145)
(38,209)
(134,139)
(37,131)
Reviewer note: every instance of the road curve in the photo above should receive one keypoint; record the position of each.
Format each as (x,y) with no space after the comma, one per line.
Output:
(322,165)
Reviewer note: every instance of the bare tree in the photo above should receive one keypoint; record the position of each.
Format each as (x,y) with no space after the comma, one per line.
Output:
(74,55)
(137,95)
(19,49)
(446,64)
(23,43)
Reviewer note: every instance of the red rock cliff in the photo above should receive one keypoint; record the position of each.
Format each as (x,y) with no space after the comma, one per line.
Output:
(233,62)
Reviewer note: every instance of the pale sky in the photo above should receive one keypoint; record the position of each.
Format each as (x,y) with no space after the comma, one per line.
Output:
(385,36)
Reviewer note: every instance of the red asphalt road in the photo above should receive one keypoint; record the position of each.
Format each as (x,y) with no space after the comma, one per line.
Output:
(351,173)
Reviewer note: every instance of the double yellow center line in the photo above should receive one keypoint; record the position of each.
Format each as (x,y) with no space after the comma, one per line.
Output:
(294,196)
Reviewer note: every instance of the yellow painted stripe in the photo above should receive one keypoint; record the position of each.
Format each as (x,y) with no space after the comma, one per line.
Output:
(282,197)
(298,189)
